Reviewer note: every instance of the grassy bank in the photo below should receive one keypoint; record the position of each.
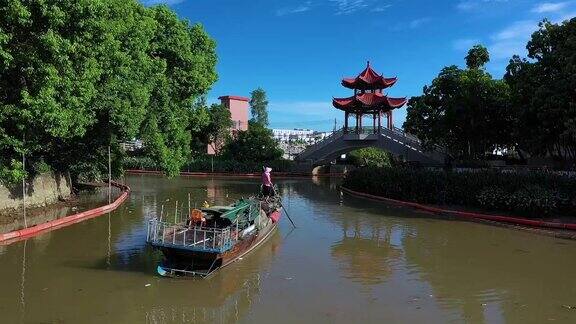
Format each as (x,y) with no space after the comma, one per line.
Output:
(527,194)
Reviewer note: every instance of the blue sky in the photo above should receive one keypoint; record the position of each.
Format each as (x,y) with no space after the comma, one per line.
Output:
(299,50)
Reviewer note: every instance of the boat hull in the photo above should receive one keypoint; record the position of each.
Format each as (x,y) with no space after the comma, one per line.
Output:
(178,262)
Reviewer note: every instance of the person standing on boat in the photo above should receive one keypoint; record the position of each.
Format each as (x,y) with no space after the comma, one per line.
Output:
(267,187)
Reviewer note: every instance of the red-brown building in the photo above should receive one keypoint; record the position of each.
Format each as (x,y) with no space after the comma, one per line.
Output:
(238,107)
(368,99)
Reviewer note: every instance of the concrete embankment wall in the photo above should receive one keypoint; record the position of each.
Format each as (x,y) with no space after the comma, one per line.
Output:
(43,190)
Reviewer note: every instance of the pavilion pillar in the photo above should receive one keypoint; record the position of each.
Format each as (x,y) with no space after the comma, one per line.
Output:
(374,123)
(379,122)
(345,122)
(390,120)
(357,121)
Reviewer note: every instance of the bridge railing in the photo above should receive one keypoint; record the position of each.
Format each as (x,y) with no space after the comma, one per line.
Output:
(415,140)
(408,135)
(396,134)
(400,135)
(327,140)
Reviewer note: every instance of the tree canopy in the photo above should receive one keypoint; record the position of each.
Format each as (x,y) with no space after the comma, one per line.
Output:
(477,57)
(463,110)
(255,144)
(78,76)
(532,110)
(543,92)
(370,156)
(218,130)
(259,106)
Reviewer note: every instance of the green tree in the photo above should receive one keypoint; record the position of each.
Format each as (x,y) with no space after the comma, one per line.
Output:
(198,126)
(477,57)
(73,76)
(79,76)
(259,106)
(543,97)
(465,111)
(256,144)
(370,156)
(187,57)
(218,130)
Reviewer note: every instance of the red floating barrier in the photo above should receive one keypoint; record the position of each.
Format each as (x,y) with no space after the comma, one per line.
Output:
(469,215)
(15,236)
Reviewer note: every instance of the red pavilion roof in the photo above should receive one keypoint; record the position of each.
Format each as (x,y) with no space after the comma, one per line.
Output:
(368,101)
(368,80)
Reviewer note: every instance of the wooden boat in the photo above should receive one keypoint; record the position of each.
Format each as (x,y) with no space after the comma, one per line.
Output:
(212,238)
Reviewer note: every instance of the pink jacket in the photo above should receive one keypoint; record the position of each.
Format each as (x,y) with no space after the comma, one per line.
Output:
(266,180)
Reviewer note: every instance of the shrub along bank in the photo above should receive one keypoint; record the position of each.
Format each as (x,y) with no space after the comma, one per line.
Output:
(204,164)
(526,194)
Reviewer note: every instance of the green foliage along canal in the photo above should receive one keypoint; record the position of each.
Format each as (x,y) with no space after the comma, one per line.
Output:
(349,261)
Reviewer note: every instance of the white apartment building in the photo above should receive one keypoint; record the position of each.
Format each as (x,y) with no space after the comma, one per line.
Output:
(307,136)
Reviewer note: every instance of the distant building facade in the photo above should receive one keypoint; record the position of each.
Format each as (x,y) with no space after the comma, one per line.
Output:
(133,145)
(287,135)
(238,107)
(294,141)
(306,136)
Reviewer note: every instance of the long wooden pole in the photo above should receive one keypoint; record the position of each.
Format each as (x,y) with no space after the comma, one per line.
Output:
(176,212)
(109,176)
(24,189)
(282,205)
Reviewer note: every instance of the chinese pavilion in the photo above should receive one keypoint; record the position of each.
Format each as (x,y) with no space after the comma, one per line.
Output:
(369,99)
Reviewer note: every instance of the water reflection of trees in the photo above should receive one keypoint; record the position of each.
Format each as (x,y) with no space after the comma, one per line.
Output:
(369,257)
(365,253)
(478,272)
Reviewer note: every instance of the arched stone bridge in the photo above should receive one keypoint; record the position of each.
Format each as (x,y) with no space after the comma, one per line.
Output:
(393,140)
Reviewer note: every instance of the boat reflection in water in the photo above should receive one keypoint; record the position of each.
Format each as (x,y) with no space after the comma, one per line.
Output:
(231,296)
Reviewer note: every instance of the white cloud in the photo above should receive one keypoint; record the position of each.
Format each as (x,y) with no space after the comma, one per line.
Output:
(464,44)
(505,50)
(167,2)
(340,7)
(467,5)
(519,29)
(345,7)
(412,24)
(419,22)
(567,16)
(381,8)
(548,7)
(293,10)
(512,40)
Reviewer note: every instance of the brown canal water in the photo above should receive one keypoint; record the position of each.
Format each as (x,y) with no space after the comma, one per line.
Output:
(349,261)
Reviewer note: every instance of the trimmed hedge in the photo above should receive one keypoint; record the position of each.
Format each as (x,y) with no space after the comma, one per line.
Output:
(527,194)
(204,164)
